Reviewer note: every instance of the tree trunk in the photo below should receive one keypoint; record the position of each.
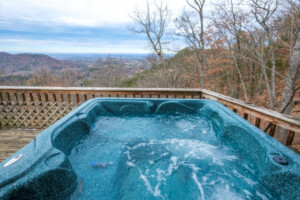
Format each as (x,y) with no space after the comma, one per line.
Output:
(202,51)
(289,88)
(273,72)
(268,86)
(200,68)
(238,65)
(238,85)
(253,80)
(240,76)
(228,82)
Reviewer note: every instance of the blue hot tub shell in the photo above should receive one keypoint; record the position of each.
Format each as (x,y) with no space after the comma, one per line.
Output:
(44,171)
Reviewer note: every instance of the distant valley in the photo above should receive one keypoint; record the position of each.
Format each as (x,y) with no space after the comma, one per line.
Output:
(99,70)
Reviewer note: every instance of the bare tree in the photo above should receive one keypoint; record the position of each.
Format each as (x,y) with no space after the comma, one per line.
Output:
(255,44)
(153,22)
(263,10)
(229,20)
(109,73)
(198,6)
(43,77)
(288,23)
(191,27)
(152,59)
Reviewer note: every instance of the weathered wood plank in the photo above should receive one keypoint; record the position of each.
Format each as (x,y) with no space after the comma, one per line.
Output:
(296,148)
(12,140)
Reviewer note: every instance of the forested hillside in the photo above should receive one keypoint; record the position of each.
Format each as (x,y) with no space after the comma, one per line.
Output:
(247,49)
(180,71)
(26,63)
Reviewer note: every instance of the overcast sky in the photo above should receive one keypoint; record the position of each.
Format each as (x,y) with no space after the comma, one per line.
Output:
(72,26)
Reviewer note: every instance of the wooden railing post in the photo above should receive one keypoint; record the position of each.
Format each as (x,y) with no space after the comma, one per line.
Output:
(272,130)
(62,97)
(39,97)
(46,97)
(54,97)
(23,97)
(31,97)
(77,98)
(16,97)
(290,138)
(8,97)
(69,98)
(257,122)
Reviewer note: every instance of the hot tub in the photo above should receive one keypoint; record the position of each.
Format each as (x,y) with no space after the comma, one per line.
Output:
(151,149)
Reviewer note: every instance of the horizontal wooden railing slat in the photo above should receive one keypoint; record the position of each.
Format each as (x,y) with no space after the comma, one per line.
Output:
(49,104)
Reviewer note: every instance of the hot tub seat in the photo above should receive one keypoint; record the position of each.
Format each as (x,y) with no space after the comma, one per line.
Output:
(42,176)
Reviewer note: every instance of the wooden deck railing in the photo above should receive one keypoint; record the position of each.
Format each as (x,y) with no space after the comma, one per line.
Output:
(39,107)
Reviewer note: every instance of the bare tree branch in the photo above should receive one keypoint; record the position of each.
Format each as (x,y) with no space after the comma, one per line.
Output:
(153,22)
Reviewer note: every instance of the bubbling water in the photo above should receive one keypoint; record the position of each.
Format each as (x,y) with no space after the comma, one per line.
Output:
(162,157)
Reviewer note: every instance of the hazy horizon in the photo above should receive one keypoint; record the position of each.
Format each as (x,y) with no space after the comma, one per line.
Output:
(76,26)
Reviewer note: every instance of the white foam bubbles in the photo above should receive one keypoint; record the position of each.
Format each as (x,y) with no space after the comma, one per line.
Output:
(146,182)
(249,181)
(225,193)
(199,185)
(185,125)
(130,164)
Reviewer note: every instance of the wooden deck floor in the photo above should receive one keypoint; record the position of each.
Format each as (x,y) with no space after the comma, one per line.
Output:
(13,140)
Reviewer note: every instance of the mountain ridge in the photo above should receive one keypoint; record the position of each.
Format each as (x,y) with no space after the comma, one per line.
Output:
(29,62)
